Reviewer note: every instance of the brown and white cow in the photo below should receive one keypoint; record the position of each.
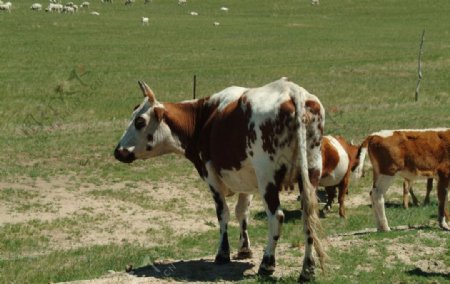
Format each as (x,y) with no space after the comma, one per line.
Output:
(340,158)
(410,154)
(242,141)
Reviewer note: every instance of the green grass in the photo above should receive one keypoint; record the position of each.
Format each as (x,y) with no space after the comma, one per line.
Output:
(68,84)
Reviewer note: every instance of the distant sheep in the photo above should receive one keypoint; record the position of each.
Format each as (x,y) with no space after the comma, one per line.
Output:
(68,10)
(52,7)
(315,2)
(109,1)
(182,2)
(6,7)
(216,24)
(225,9)
(144,21)
(95,13)
(129,2)
(85,4)
(36,7)
(194,13)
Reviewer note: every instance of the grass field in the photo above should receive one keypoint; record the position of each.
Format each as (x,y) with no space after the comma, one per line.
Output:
(68,83)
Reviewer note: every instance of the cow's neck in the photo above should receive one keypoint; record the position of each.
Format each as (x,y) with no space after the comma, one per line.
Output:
(185,121)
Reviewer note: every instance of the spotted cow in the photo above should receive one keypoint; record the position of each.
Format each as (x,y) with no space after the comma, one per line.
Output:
(241,141)
(340,158)
(411,154)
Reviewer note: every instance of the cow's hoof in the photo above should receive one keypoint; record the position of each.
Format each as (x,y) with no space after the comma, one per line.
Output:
(384,229)
(303,278)
(267,266)
(221,259)
(244,255)
(322,214)
(444,226)
(264,271)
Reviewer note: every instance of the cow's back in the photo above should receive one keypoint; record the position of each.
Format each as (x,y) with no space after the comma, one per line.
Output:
(411,152)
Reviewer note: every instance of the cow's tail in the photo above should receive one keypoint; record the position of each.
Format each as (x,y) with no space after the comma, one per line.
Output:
(362,153)
(311,222)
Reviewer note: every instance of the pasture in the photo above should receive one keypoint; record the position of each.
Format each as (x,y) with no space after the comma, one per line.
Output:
(68,83)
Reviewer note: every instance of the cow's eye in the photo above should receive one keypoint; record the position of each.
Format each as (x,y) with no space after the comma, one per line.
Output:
(139,123)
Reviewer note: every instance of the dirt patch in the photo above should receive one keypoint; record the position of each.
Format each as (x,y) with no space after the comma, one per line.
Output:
(420,256)
(71,216)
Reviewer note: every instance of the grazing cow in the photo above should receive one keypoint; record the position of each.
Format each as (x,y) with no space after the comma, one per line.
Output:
(407,190)
(340,158)
(410,154)
(242,141)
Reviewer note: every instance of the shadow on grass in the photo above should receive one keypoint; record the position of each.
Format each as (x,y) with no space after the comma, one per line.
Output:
(419,272)
(289,215)
(194,270)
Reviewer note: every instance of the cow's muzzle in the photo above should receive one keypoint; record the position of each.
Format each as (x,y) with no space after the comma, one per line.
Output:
(124,155)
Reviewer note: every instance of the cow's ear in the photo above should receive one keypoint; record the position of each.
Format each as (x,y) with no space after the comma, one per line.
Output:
(159,113)
(147,92)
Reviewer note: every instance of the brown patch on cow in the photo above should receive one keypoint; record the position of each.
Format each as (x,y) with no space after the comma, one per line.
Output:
(272,196)
(185,120)
(313,106)
(314,176)
(270,130)
(330,157)
(225,136)
(251,134)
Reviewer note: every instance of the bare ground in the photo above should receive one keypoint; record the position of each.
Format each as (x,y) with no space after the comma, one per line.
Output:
(118,220)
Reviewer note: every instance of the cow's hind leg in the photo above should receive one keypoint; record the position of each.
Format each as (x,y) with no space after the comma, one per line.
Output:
(406,190)
(343,190)
(218,190)
(223,216)
(270,196)
(442,190)
(380,187)
(426,201)
(331,194)
(242,213)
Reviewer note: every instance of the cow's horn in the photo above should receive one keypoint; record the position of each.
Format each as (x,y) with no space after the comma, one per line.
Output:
(147,92)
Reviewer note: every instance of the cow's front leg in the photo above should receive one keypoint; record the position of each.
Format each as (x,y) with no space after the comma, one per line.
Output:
(381,185)
(442,190)
(223,216)
(275,216)
(242,213)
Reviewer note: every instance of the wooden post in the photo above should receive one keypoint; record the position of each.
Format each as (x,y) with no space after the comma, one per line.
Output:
(194,88)
(419,71)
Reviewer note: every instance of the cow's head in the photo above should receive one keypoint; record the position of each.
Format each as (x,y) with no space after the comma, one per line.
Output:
(147,134)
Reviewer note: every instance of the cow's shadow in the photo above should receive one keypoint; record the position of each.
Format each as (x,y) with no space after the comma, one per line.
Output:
(194,270)
(419,272)
(289,215)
